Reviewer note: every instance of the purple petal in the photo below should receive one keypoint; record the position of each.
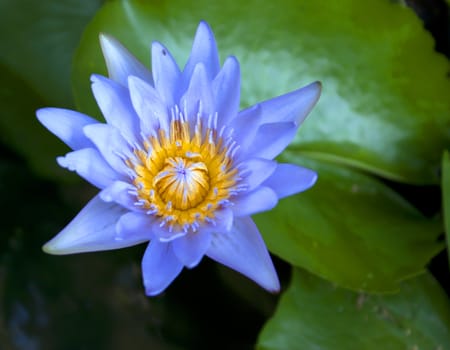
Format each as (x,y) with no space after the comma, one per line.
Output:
(191,248)
(223,220)
(289,179)
(134,225)
(245,127)
(67,125)
(163,233)
(93,229)
(149,106)
(115,104)
(244,250)
(160,267)
(259,170)
(121,63)
(121,193)
(272,139)
(291,107)
(111,144)
(261,199)
(166,74)
(226,90)
(204,50)
(198,94)
(91,166)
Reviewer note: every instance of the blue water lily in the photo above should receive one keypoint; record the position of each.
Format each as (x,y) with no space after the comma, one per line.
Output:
(177,164)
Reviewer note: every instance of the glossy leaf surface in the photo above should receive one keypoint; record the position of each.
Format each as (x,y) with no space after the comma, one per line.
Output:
(314,314)
(385,105)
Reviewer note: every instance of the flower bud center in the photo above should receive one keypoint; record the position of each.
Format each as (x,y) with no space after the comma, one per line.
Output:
(182,182)
(185,172)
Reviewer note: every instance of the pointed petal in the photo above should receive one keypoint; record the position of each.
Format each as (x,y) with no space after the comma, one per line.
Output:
(245,127)
(91,166)
(291,107)
(160,267)
(166,74)
(198,94)
(259,200)
(226,89)
(134,225)
(258,169)
(152,111)
(93,229)
(121,63)
(191,248)
(115,104)
(244,250)
(121,193)
(272,139)
(289,179)
(67,125)
(111,145)
(204,50)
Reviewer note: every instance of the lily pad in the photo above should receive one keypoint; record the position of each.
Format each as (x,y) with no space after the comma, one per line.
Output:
(385,106)
(20,129)
(314,314)
(350,229)
(35,58)
(39,40)
(446,197)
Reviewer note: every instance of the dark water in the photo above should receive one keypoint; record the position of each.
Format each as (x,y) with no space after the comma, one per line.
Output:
(96,300)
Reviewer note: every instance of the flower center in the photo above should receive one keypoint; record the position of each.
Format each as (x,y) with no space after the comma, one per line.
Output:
(183,175)
(182,182)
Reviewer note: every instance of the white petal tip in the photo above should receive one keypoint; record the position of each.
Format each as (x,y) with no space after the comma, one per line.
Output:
(56,247)
(107,41)
(268,280)
(47,248)
(274,287)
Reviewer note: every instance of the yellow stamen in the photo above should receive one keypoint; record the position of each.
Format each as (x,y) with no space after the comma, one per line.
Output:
(184,177)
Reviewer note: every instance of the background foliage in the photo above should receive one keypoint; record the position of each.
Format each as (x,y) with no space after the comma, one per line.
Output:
(372,225)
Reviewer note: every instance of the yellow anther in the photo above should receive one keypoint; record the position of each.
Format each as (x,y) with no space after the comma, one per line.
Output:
(183,177)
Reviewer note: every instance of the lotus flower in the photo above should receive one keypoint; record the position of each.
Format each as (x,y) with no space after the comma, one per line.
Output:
(177,164)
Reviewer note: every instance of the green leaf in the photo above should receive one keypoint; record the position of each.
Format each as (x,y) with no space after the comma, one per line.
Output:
(446,197)
(35,58)
(39,40)
(385,105)
(350,229)
(314,314)
(20,129)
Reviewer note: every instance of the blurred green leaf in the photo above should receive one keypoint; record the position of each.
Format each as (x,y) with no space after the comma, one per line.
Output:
(350,229)
(385,105)
(38,42)
(97,301)
(446,197)
(44,298)
(20,129)
(36,48)
(314,314)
